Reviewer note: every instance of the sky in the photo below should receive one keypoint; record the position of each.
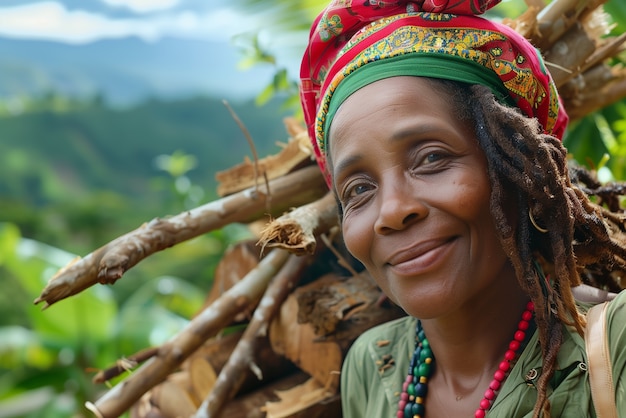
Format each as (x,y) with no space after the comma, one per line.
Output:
(83,21)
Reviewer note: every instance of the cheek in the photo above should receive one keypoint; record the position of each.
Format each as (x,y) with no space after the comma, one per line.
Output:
(473,198)
(356,237)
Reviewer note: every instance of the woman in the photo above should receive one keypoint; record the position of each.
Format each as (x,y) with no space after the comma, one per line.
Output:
(439,133)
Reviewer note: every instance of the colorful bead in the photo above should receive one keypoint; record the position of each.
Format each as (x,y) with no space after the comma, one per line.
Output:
(415,386)
(485,404)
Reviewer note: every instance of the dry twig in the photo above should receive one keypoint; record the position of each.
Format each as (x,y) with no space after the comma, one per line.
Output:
(125,364)
(297,230)
(255,156)
(232,375)
(108,263)
(245,293)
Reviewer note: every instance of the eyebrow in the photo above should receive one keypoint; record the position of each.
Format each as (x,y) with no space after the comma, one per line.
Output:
(345,163)
(403,134)
(418,130)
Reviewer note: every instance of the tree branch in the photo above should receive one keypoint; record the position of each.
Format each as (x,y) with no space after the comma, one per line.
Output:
(108,263)
(245,293)
(296,231)
(233,373)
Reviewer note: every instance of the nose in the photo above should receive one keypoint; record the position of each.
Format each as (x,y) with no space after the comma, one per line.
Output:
(399,207)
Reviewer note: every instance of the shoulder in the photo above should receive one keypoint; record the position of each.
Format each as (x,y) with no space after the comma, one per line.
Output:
(389,340)
(616,310)
(389,333)
(374,369)
(616,327)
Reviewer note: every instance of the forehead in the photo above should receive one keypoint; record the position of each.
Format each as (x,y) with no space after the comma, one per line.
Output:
(384,118)
(391,96)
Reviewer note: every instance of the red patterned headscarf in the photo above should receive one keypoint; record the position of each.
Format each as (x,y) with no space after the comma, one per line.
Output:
(356,42)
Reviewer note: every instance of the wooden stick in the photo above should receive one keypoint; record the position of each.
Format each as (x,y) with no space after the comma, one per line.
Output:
(567,56)
(610,93)
(558,17)
(124,365)
(296,231)
(108,263)
(243,357)
(206,325)
(539,4)
(610,48)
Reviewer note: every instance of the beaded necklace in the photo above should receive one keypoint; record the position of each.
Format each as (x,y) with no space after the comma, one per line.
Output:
(415,386)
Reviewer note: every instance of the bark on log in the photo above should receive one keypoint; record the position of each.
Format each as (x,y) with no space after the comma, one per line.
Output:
(270,400)
(251,405)
(237,261)
(331,312)
(199,373)
(569,53)
(602,87)
(248,291)
(309,399)
(173,400)
(609,48)
(107,264)
(558,17)
(243,358)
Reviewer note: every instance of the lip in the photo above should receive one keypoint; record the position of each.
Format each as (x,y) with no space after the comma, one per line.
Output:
(418,258)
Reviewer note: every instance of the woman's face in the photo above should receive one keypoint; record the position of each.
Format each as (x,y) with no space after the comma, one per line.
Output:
(414,190)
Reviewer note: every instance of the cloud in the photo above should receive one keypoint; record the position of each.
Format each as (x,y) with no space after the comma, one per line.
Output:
(51,20)
(143,6)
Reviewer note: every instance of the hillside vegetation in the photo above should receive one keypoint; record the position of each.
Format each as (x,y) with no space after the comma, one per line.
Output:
(84,163)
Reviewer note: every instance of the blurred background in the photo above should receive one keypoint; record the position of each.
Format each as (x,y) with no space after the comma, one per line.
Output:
(112,114)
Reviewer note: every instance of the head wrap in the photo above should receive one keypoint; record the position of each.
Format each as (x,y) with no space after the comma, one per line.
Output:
(357,42)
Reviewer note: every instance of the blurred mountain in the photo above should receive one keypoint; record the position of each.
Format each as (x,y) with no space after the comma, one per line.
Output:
(128,70)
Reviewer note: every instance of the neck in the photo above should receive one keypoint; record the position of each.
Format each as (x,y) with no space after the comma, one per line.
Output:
(468,345)
(459,387)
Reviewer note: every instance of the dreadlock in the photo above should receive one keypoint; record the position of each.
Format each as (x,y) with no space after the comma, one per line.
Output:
(579,241)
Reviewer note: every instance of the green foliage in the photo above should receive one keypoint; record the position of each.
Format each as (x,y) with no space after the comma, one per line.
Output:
(38,350)
(74,173)
(617,10)
(57,350)
(81,175)
(598,141)
(94,145)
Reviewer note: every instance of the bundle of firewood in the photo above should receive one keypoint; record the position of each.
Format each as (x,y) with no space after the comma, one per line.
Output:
(295,292)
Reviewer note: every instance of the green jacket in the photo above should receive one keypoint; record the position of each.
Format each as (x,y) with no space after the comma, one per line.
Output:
(376,365)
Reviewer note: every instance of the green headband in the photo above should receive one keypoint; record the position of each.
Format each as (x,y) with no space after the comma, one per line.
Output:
(447,67)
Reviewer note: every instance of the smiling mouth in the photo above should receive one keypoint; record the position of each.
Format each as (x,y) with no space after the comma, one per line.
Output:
(420,258)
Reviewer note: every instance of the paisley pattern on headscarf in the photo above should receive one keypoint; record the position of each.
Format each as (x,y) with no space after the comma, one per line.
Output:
(431,38)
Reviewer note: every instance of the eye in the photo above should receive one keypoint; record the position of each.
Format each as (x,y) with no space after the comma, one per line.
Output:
(359,189)
(427,160)
(433,157)
(355,192)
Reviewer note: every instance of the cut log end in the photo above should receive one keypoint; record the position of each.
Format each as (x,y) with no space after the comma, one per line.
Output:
(289,235)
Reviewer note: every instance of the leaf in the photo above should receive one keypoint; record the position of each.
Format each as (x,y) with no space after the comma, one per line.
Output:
(88,317)
(617,11)
(266,95)
(21,346)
